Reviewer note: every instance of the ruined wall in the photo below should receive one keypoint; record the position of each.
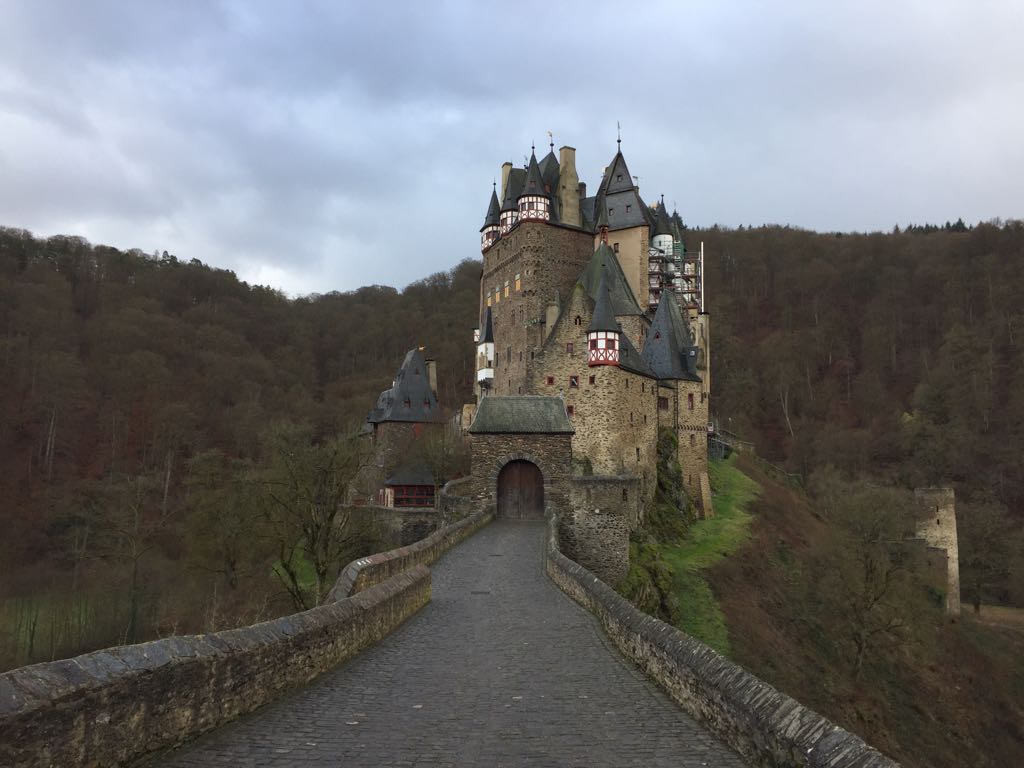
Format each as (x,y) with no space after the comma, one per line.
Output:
(551,453)
(937,527)
(548,258)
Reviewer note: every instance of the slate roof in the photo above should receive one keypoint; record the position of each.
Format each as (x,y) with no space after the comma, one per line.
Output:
(410,397)
(549,171)
(604,265)
(493,212)
(631,360)
(663,221)
(604,317)
(669,349)
(516,178)
(487,337)
(411,474)
(521,414)
(534,183)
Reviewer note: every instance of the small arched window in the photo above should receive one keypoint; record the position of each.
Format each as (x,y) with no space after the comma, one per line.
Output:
(578,320)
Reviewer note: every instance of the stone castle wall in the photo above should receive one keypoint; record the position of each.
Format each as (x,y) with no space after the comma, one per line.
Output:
(614,411)
(548,259)
(692,431)
(551,453)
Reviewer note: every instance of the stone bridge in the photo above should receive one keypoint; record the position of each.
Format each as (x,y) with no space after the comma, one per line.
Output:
(499,668)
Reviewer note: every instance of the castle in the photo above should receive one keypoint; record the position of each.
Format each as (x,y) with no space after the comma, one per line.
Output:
(593,335)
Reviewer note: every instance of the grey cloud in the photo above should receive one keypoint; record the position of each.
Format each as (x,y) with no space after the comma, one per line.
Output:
(326,145)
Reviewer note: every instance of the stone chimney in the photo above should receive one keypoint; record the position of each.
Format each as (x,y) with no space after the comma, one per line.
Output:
(568,201)
(432,376)
(582,189)
(506,169)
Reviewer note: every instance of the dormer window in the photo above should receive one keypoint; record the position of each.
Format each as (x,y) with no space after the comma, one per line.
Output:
(407,403)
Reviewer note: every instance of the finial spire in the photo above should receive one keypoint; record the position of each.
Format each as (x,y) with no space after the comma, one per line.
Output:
(551,141)
(618,130)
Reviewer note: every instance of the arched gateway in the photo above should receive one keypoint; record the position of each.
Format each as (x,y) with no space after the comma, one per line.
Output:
(521,491)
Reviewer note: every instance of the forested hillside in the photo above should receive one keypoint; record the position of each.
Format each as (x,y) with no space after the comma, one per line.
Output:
(131,386)
(894,357)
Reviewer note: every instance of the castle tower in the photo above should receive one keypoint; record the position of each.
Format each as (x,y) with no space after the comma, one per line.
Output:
(513,184)
(491,230)
(603,331)
(534,203)
(485,353)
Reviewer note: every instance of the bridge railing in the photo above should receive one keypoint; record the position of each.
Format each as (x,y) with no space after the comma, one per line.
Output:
(764,725)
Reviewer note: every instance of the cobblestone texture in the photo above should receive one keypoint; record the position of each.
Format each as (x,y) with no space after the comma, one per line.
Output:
(501,669)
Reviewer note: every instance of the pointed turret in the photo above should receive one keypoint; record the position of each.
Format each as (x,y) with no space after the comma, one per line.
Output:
(534,202)
(491,230)
(603,333)
(509,208)
(485,352)
(669,349)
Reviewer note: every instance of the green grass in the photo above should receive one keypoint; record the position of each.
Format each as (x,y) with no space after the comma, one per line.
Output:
(707,542)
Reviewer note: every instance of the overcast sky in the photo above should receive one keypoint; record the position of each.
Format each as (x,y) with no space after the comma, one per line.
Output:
(318,146)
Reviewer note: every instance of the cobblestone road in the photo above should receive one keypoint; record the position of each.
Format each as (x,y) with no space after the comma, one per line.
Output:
(501,669)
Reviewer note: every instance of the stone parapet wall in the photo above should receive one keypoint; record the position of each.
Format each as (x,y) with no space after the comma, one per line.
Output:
(366,572)
(113,706)
(764,725)
(455,501)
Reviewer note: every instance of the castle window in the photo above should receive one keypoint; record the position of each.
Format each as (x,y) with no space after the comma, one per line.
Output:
(611,211)
(627,383)
(551,381)
(662,403)
(702,396)
(568,347)
(638,454)
(615,247)
(645,418)
(520,357)
(643,386)
(506,289)
(571,410)
(693,440)
(625,495)
(630,417)
(593,379)
(574,382)
(426,404)
(689,399)
(407,403)
(520,390)
(629,208)
(519,282)
(618,177)
(508,359)
(578,320)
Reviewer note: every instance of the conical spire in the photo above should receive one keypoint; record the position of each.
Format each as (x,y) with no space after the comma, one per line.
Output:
(669,342)
(487,337)
(663,222)
(604,315)
(534,184)
(493,211)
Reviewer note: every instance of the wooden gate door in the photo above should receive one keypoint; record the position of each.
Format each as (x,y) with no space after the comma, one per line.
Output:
(521,491)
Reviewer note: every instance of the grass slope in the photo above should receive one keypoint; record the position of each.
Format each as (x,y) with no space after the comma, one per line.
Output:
(706,543)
